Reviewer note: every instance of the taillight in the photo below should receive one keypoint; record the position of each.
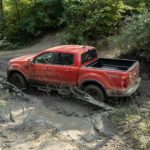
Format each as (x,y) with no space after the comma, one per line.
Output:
(130,76)
(124,81)
(133,75)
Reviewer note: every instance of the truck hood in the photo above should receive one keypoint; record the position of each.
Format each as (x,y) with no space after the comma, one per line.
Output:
(22,58)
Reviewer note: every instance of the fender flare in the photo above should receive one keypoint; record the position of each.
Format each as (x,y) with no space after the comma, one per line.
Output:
(87,82)
(10,72)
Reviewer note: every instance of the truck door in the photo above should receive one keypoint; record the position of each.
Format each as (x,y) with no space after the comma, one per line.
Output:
(64,71)
(41,70)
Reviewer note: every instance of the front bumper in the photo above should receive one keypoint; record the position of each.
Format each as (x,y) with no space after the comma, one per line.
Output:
(127,92)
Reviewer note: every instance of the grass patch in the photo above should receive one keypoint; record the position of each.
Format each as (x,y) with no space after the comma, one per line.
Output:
(134,123)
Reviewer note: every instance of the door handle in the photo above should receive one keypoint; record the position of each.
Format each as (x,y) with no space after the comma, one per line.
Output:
(69,70)
(46,68)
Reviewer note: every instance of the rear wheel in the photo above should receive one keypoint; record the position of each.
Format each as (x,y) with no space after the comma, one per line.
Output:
(95,91)
(18,80)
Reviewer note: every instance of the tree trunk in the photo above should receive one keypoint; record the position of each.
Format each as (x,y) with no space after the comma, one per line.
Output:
(17,9)
(1,10)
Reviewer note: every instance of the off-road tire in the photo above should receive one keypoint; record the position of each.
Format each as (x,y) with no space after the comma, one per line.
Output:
(18,80)
(96,92)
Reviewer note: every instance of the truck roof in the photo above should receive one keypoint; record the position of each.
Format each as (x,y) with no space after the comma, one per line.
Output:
(71,48)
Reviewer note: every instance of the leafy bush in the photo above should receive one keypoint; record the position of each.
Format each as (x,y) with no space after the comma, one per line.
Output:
(88,19)
(138,5)
(29,21)
(84,20)
(135,35)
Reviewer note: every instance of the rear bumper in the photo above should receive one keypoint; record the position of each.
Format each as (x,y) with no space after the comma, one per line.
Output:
(127,92)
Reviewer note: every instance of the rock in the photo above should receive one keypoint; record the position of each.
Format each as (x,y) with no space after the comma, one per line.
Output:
(3,119)
(101,126)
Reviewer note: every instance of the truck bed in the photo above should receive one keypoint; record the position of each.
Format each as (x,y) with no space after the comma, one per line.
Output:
(112,64)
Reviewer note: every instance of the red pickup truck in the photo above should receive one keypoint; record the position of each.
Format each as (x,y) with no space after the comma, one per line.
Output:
(79,66)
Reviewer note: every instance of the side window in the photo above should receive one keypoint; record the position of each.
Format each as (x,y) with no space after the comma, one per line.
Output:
(47,58)
(89,55)
(65,59)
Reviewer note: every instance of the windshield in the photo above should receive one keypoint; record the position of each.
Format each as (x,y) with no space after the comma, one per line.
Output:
(89,55)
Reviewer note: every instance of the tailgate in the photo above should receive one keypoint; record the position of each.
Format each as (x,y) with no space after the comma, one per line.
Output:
(133,72)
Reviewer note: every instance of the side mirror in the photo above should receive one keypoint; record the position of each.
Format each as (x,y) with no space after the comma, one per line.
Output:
(30,61)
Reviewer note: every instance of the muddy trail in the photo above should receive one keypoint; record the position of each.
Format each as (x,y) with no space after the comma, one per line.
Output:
(39,121)
(47,121)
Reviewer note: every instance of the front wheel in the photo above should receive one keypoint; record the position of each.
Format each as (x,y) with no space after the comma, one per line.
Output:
(96,92)
(18,80)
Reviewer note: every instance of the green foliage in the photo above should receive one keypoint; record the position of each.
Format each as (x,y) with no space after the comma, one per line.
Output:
(135,35)
(138,5)
(26,20)
(84,20)
(88,19)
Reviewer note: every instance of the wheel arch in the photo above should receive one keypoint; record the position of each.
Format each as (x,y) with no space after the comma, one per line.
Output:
(10,73)
(93,82)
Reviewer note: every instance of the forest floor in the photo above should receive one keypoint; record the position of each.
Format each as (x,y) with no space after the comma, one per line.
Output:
(54,122)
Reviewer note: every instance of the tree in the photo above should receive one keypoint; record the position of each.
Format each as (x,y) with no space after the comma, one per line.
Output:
(135,35)
(1,10)
(17,9)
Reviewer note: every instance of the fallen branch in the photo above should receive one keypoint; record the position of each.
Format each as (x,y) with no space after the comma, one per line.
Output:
(10,87)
